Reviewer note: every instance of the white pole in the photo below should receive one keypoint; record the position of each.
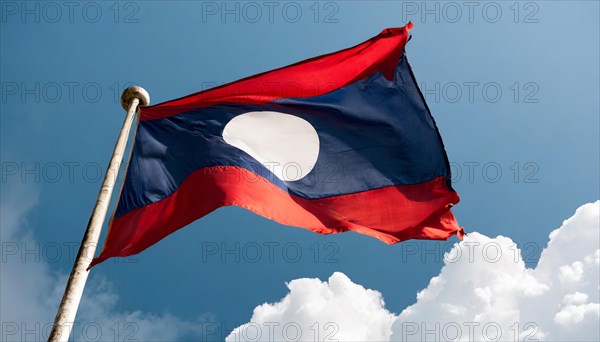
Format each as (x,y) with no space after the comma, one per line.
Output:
(65,316)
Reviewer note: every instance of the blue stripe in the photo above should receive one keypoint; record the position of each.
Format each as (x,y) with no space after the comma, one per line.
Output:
(373,133)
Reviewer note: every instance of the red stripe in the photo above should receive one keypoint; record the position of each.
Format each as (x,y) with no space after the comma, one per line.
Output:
(309,78)
(391,214)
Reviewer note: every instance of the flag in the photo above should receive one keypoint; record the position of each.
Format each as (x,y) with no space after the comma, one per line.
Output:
(340,142)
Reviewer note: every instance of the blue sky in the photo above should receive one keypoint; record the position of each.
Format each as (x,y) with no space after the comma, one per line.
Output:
(513,87)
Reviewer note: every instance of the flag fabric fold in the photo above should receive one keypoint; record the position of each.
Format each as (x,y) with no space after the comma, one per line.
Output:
(340,142)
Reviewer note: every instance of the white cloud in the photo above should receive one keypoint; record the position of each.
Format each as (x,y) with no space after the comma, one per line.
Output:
(575,298)
(572,314)
(571,273)
(484,292)
(31,290)
(317,311)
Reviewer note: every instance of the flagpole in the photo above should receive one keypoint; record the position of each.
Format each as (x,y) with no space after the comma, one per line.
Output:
(65,317)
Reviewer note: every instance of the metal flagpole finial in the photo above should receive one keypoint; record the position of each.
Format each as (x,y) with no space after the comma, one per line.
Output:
(132,93)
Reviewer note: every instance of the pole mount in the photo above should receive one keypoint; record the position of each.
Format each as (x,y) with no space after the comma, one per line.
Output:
(134,92)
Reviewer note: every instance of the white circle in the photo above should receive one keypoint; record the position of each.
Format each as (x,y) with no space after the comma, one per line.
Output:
(285,144)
